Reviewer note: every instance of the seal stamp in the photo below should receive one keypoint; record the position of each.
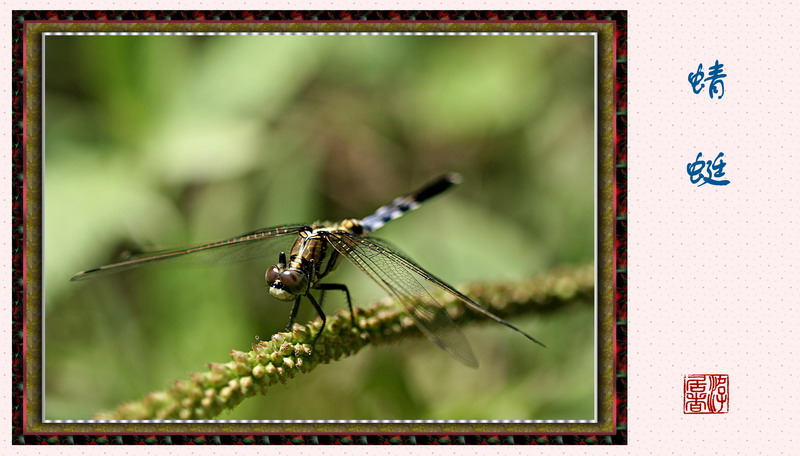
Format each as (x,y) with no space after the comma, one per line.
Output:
(705,393)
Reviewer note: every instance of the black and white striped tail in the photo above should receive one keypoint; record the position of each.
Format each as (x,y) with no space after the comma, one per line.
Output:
(411,201)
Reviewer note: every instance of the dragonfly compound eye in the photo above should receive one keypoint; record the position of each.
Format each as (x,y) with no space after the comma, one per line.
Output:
(294,280)
(273,274)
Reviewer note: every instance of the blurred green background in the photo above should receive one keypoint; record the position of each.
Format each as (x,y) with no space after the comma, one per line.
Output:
(157,141)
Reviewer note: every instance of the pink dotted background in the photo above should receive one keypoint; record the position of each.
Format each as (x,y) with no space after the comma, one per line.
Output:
(712,270)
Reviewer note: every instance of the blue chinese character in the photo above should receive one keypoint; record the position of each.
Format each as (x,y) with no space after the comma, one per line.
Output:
(696,79)
(715,76)
(713,169)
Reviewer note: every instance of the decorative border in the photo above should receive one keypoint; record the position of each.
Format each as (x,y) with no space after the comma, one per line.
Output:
(26,422)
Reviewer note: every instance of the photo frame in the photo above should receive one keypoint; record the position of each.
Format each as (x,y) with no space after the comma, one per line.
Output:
(609,28)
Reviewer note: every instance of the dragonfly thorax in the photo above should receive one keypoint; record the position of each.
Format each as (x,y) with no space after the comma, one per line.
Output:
(311,258)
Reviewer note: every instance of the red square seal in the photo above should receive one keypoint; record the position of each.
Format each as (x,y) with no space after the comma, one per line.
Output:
(705,393)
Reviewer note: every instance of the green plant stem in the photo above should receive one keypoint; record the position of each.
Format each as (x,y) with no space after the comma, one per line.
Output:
(224,385)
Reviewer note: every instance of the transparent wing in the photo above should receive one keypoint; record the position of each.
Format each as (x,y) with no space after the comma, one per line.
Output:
(382,245)
(390,270)
(239,248)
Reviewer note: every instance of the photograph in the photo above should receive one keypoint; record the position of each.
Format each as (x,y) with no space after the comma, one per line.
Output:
(320,226)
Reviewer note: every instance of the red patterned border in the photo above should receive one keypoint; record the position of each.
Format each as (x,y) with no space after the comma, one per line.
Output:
(18,220)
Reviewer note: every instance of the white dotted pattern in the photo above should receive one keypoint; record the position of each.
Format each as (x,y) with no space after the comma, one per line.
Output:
(712,270)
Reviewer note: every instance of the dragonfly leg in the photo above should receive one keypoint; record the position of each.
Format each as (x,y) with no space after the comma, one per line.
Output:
(321,315)
(341,287)
(295,307)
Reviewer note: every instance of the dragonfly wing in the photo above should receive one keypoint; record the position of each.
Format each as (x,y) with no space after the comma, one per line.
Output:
(383,246)
(239,248)
(390,271)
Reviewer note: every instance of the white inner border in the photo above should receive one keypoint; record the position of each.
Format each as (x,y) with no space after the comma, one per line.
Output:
(596,132)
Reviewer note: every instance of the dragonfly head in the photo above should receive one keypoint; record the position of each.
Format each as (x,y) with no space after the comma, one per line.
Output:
(285,283)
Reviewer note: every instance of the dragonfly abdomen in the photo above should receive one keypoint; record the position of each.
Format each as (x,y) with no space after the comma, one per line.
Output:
(409,202)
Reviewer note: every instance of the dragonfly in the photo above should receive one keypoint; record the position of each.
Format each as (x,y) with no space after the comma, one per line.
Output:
(316,252)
